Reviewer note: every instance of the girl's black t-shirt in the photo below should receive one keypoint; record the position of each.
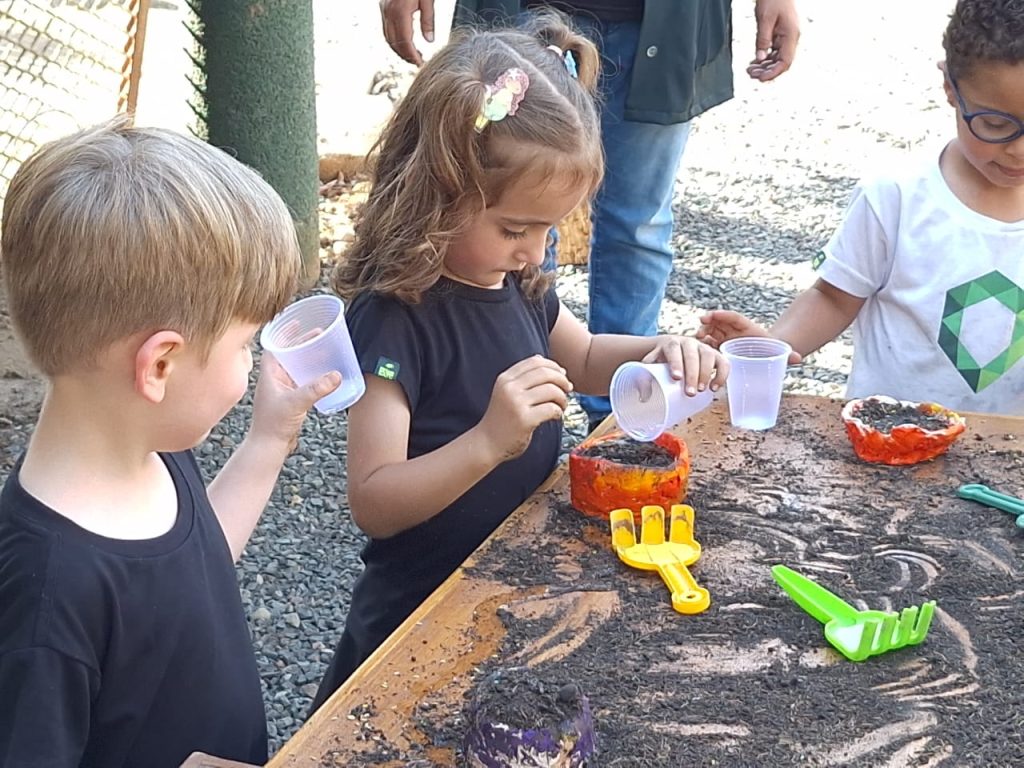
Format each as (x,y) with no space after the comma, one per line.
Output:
(446,353)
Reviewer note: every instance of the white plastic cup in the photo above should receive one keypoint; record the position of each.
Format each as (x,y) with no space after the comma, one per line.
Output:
(309,338)
(646,400)
(756,374)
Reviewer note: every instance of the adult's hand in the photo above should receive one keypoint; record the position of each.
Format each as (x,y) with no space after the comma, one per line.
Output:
(778,31)
(396,17)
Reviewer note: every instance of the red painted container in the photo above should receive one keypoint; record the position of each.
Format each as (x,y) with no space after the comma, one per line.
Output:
(598,485)
(905,443)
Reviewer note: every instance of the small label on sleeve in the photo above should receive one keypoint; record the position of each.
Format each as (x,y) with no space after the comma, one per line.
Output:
(386,368)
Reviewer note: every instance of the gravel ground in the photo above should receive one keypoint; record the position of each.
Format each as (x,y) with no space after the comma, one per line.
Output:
(764,182)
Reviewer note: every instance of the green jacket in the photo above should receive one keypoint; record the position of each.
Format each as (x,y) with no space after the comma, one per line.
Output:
(683,65)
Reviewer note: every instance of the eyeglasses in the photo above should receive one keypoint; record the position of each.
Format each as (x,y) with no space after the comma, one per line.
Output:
(988,125)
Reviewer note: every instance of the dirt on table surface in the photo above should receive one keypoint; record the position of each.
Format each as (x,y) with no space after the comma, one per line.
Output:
(752,681)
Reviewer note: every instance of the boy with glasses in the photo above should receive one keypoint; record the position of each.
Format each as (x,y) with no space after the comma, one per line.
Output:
(929,266)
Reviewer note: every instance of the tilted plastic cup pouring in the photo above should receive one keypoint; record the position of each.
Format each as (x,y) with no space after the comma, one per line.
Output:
(647,401)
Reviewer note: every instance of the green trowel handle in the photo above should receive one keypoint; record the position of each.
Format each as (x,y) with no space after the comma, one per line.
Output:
(990,498)
(812,597)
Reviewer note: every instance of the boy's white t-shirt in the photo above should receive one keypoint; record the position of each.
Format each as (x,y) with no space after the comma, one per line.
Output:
(944,316)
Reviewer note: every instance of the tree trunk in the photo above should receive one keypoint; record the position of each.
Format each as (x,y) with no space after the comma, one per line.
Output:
(260,100)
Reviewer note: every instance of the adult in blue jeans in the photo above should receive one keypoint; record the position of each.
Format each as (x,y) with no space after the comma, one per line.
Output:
(664,62)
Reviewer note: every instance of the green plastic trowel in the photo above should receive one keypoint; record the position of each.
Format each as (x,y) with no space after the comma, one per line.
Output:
(855,634)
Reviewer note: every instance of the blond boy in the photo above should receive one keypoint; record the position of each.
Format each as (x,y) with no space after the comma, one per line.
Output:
(138,265)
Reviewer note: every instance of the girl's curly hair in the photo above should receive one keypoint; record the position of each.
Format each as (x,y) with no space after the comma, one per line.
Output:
(433,172)
(984,30)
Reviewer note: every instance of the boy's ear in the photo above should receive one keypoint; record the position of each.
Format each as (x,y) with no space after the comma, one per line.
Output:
(950,98)
(154,362)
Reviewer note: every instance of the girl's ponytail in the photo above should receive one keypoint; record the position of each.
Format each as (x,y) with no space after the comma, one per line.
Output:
(552,28)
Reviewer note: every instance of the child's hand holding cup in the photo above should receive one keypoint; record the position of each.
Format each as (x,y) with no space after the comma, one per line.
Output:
(309,338)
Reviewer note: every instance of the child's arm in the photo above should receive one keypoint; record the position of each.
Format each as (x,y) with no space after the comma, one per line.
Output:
(816,317)
(243,486)
(590,360)
(390,493)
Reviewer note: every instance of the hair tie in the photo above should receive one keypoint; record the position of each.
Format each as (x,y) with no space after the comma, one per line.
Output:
(567,59)
(502,99)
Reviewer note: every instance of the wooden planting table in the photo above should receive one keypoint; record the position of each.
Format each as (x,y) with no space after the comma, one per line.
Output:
(750,681)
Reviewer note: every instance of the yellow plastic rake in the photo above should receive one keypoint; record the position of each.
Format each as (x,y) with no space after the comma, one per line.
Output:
(669,558)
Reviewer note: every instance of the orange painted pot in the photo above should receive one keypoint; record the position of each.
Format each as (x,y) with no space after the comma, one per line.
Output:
(904,443)
(598,485)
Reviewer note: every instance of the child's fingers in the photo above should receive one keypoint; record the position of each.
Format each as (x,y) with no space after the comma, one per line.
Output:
(709,334)
(550,412)
(304,397)
(312,333)
(669,350)
(715,316)
(691,354)
(711,359)
(324,385)
(532,363)
(535,371)
(269,366)
(708,338)
(547,393)
(536,415)
(724,318)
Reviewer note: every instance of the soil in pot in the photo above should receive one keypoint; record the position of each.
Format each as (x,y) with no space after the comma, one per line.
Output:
(898,433)
(624,450)
(616,472)
(519,719)
(884,416)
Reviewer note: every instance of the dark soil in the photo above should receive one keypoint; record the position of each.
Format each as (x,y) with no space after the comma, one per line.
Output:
(521,700)
(751,682)
(517,718)
(884,416)
(623,450)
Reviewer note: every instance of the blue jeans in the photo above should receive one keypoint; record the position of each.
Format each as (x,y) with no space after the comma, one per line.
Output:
(631,242)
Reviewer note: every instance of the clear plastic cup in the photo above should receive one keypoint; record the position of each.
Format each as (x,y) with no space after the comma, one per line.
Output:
(646,400)
(756,374)
(309,338)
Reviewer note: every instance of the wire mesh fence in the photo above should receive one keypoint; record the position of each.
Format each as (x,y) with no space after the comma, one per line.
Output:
(64,64)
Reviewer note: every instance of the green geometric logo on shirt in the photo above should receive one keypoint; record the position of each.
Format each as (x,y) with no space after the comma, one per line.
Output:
(996,286)
(818,260)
